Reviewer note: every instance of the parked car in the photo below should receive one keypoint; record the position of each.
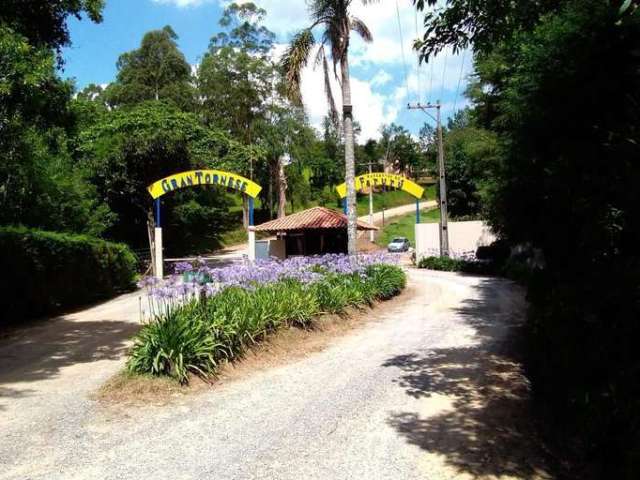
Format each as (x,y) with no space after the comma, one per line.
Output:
(399,244)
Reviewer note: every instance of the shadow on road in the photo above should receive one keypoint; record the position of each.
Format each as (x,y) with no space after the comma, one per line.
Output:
(488,431)
(40,352)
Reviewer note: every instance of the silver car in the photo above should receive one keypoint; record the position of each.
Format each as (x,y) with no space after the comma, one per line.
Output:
(399,244)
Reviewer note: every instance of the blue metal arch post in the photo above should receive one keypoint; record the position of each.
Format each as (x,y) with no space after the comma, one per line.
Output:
(251,211)
(158,266)
(417,210)
(156,204)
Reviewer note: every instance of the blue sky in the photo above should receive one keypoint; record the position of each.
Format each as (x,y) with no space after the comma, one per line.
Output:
(380,87)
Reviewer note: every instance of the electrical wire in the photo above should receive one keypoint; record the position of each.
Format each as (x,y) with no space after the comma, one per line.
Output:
(431,80)
(404,61)
(419,88)
(464,52)
(444,70)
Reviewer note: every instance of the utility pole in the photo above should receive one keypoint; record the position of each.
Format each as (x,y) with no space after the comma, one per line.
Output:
(444,231)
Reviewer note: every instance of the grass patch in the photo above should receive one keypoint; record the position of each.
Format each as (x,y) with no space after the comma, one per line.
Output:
(233,237)
(391,199)
(404,226)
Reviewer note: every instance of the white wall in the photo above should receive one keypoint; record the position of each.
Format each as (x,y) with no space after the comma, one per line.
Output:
(464,237)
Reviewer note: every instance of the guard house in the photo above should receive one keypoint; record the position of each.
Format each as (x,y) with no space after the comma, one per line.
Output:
(315,231)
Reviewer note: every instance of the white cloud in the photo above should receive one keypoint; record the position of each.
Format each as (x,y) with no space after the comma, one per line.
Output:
(371,109)
(378,99)
(183,3)
(381,78)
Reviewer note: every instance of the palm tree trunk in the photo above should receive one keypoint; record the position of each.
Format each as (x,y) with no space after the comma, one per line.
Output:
(349,157)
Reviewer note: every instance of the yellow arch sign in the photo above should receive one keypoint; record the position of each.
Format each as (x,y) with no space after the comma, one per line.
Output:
(377,179)
(193,178)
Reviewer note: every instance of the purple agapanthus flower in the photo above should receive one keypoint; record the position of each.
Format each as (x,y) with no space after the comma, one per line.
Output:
(179,288)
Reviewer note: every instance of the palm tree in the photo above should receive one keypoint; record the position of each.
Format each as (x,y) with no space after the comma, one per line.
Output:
(334,17)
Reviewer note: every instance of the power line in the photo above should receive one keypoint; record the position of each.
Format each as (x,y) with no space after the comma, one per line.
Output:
(444,70)
(404,61)
(464,53)
(415,19)
(431,78)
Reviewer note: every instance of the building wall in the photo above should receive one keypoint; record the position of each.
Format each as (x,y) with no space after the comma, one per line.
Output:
(271,247)
(277,248)
(464,237)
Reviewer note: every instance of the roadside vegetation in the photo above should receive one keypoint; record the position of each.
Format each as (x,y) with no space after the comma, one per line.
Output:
(77,159)
(45,272)
(547,152)
(404,226)
(391,199)
(202,317)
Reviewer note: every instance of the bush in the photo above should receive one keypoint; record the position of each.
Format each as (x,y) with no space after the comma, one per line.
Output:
(173,346)
(498,252)
(195,337)
(386,280)
(44,272)
(445,264)
(448,264)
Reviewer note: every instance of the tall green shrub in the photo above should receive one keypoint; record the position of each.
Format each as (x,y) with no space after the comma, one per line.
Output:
(43,272)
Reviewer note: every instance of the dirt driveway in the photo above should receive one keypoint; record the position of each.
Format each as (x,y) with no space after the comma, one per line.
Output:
(426,389)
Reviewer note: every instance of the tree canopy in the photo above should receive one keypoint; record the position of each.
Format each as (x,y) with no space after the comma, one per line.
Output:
(557,85)
(156,71)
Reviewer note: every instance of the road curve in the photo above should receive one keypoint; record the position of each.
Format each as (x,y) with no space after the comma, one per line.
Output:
(427,389)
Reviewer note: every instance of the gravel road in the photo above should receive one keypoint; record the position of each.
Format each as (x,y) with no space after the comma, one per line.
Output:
(427,388)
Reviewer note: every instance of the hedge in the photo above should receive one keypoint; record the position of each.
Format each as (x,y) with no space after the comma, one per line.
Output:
(45,272)
(447,264)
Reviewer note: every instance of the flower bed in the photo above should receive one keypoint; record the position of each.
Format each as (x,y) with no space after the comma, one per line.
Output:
(203,316)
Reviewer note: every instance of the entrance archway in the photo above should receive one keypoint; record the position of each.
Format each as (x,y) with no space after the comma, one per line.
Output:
(381,179)
(194,178)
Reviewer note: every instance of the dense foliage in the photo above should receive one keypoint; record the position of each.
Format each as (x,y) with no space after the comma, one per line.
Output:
(80,161)
(131,147)
(45,272)
(559,84)
(206,316)
(155,71)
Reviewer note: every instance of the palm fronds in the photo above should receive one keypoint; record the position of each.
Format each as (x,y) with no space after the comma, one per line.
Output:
(333,111)
(361,29)
(294,60)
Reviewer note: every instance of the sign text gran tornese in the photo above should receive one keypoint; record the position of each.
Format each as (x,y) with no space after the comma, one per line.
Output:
(204,177)
(377,179)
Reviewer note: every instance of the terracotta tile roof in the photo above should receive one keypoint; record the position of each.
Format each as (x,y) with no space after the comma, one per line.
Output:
(313,218)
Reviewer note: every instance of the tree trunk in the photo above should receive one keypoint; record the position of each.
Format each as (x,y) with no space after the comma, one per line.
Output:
(282,189)
(270,194)
(349,157)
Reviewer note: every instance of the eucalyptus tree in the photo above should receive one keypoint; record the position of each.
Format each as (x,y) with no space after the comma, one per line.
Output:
(334,17)
(236,73)
(157,70)
(235,78)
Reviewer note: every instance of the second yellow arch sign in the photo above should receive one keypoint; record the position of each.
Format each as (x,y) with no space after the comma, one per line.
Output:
(204,177)
(377,179)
